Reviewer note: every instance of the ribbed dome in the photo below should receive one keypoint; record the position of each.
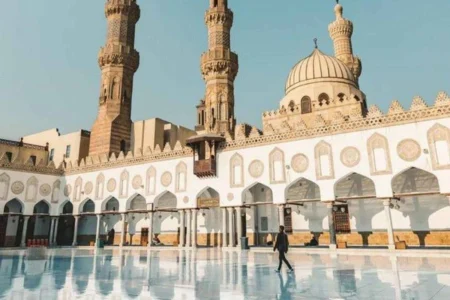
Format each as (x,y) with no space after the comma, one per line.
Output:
(319,67)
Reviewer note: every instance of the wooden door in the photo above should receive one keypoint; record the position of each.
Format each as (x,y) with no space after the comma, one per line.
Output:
(144,236)
(3,225)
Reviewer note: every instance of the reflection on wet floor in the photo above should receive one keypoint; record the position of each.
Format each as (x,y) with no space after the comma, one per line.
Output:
(217,274)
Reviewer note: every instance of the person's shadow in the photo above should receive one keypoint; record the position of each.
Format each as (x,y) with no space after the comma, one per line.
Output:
(285,288)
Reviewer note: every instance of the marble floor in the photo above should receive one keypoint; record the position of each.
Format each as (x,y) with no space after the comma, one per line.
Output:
(216,274)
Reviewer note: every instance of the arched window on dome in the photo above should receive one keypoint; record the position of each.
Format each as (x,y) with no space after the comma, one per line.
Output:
(292,106)
(324,99)
(306,105)
(357,98)
(341,97)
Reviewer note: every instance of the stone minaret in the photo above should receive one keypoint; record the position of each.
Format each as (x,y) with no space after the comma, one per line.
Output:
(118,60)
(219,66)
(341,31)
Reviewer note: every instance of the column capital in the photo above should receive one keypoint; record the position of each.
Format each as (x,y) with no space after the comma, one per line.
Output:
(330,204)
(386,201)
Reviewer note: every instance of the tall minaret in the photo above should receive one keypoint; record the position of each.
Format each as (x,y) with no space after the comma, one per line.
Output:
(219,66)
(118,60)
(341,31)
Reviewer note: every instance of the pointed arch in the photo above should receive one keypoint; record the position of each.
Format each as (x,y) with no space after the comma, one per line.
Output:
(32,188)
(99,186)
(236,171)
(354,185)
(56,191)
(324,161)
(276,164)
(181,177)
(136,202)
(302,189)
(14,206)
(165,200)
(42,207)
(4,186)
(439,144)
(66,208)
(379,155)
(257,193)
(87,206)
(150,181)
(208,193)
(110,204)
(414,180)
(305,105)
(77,189)
(123,187)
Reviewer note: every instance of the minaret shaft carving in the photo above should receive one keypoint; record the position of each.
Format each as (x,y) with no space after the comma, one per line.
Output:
(219,66)
(118,61)
(341,31)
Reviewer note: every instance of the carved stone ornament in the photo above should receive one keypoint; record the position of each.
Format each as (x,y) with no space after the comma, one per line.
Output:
(299,163)
(45,190)
(186,199)
(230,196)
(111,185)
(137,182)
(256,168)
(166,179)
(17,187)
(350,157)
(67,190)
(88,188)
(408,150)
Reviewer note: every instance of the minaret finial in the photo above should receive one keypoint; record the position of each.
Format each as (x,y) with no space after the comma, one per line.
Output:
(315,43)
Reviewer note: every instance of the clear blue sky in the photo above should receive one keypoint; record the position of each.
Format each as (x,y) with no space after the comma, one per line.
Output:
(49,75)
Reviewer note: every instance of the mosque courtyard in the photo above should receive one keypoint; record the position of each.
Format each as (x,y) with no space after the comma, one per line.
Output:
(171,273)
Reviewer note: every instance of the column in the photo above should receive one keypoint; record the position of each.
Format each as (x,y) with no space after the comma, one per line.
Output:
(55,231)
(122,233)
(24,231)
(150,229)
(387,212)
(224,227)
(97,232)
(189,233)
(239,225)
(182,225)
(281,214)
(194,228)
(231,227)
(52,225)
(75,231)
(331,225)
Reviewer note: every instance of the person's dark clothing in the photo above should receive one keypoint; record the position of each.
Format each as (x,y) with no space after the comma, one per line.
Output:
(282,245)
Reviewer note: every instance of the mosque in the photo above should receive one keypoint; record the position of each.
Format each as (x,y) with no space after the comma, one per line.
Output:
(323,164)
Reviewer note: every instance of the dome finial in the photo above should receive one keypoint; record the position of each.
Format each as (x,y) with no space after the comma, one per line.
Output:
(315,41)
(338,10)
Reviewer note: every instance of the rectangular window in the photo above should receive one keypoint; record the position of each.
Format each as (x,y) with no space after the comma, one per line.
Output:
(380,159)
(52,154)
(264,224)
(278,170)
(325,165)
(33,159)
(237,175)
(9,156)
(442,153)
(67,151)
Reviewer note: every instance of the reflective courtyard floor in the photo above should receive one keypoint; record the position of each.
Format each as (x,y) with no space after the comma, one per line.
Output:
(216,274)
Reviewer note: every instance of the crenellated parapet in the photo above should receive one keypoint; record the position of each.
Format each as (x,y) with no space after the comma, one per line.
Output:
(286,124)
(119,56)
(219,63)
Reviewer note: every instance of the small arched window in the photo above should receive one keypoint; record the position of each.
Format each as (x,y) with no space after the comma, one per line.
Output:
(306,105)
(341,97)
(291,106)
(324,99)
(357,98)
(123,146)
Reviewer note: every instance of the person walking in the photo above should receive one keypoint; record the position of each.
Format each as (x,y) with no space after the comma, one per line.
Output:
(282,245)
